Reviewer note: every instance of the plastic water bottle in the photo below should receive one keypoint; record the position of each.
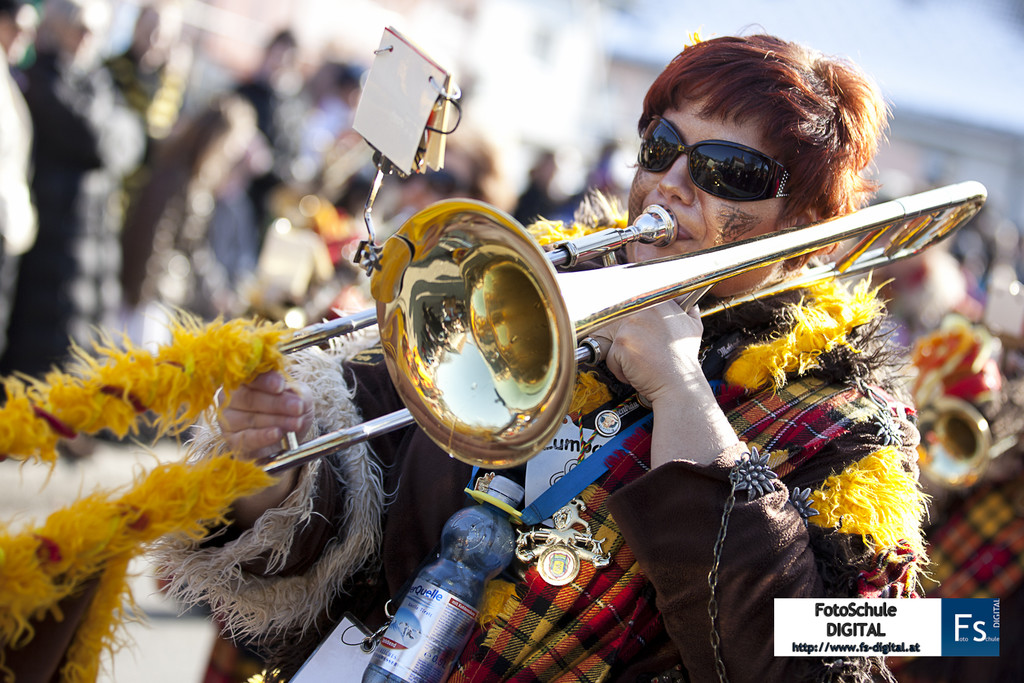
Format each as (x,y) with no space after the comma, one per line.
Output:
(437,615)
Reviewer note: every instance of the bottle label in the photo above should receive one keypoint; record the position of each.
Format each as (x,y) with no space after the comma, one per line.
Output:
(428,632)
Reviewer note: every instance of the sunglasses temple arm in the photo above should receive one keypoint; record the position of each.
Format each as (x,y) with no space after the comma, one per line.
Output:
(654,226)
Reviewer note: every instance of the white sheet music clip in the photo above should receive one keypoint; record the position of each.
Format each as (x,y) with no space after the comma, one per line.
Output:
(406,105)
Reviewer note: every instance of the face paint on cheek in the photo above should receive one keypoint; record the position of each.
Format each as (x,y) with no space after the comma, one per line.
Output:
(734,224)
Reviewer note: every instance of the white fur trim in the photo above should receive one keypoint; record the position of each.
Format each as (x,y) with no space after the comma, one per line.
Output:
(256,606)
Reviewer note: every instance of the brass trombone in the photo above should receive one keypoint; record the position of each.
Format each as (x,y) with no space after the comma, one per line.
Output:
(482,337)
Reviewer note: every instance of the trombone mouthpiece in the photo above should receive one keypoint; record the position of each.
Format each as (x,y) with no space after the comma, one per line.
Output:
(656,226)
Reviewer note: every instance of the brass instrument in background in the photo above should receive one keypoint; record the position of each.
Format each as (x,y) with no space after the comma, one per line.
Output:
(957,376)
(956,442)
(481,335)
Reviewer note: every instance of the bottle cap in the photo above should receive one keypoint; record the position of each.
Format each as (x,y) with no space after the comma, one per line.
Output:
(506,490)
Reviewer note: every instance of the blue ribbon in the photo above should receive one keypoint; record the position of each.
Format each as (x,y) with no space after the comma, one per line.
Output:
(580,477)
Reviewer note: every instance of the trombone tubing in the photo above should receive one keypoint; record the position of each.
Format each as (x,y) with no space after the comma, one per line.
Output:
(918,220)
(915,222)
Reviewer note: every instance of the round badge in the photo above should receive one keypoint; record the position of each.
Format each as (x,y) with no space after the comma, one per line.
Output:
(608,423)
(558,565)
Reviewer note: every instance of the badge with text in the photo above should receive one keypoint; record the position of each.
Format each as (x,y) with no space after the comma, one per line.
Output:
(559,457)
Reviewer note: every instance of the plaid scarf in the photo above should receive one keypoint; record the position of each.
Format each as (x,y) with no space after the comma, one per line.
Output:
(979,551)
(578,631)
(795,422)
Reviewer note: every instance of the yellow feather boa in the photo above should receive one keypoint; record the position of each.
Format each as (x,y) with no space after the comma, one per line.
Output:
(823,319)
(875,498)
(96,536)
(111,388)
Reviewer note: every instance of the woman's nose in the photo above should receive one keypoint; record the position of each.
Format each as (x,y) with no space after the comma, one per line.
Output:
(676,180)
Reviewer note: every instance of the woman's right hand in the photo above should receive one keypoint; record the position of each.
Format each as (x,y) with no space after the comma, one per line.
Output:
(253,424)
(259,414)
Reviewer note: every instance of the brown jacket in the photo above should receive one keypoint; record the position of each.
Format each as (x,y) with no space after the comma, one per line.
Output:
(670,518)
(302,569)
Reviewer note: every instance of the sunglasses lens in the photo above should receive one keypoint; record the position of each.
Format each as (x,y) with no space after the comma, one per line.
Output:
(729,172)
(659,148)
(722,169)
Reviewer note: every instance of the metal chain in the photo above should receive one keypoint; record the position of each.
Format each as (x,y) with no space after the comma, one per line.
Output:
(716,639)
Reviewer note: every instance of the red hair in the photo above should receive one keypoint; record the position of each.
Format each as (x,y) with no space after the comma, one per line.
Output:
(822,115)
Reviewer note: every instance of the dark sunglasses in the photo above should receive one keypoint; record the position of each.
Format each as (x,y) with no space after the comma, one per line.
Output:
(720,168)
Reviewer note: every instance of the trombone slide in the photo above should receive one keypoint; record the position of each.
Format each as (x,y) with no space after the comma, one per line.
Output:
(479,305)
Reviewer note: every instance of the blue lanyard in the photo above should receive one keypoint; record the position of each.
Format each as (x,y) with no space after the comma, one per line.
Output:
(580,477)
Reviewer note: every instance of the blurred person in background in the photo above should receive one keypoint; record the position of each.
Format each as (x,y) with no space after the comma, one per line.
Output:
(275,91)
(969,389)
(19,22)
(537,200)
(333,92)
(921,291)
(85,141)
(953,305)
(17,212)
(607,171)
(152,74)
(191,237)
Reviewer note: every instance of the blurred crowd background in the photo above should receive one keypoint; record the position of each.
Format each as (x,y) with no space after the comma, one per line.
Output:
(199,155)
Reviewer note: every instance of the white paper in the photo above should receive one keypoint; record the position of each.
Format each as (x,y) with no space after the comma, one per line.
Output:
(338,658)
(396,103)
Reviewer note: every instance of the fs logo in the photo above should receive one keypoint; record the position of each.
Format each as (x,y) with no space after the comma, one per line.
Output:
(970,627)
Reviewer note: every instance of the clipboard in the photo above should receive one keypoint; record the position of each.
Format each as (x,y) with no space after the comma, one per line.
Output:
(405,108)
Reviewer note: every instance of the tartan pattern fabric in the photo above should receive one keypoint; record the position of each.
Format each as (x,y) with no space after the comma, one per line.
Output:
(578,631)
(979,551)
(795,422)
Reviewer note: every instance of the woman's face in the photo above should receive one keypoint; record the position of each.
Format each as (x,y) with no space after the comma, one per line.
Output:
(703,220)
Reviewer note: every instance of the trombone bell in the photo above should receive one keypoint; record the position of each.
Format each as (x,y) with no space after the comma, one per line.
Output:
(477,342)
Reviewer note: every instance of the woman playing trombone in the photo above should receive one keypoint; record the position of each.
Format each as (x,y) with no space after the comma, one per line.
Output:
(779,462)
